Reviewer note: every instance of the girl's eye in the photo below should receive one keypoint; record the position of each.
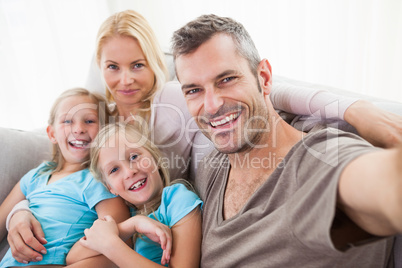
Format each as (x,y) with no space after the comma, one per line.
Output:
(113,170)
(133,157)
(90,121)
(67,121)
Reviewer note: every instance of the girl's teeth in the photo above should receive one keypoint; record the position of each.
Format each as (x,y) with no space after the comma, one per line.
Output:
(137,185)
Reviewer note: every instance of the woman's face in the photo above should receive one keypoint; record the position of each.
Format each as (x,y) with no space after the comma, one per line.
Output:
(126,71)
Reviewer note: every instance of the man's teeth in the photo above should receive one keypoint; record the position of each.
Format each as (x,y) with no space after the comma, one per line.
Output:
(224,120)
(137,185)
(78,143)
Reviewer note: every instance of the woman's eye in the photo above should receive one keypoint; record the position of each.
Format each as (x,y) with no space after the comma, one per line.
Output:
(112,66)
(138,66)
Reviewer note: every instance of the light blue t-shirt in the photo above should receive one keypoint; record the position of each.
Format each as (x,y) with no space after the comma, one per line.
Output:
(64,208)
(177,201)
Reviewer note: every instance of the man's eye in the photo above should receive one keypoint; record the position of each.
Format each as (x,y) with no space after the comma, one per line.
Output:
(192,91)
(228,79)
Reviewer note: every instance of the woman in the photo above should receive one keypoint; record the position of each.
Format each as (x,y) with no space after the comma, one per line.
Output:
(134,73)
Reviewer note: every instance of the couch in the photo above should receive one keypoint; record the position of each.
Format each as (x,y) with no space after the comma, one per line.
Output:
(24,150)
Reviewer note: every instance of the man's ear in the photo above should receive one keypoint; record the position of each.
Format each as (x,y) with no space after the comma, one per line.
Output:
(50,134)
(264,73)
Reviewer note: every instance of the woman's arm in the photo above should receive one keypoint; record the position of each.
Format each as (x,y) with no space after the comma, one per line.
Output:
(11,200)
(113,206)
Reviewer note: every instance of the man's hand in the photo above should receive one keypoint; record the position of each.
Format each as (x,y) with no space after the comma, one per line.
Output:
(26,237)
(379,127)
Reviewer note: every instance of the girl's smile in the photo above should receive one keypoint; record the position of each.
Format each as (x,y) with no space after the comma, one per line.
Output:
(130,171)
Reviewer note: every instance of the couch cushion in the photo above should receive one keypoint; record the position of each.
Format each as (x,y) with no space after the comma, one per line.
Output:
(20,152)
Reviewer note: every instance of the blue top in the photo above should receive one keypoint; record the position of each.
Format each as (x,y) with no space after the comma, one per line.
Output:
(177,201)
(64,208)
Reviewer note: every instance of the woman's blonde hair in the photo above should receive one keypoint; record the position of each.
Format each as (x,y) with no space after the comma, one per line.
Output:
(132,137)
(132,24)
(103,116)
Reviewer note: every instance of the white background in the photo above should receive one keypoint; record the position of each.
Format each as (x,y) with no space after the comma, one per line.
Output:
(46,46)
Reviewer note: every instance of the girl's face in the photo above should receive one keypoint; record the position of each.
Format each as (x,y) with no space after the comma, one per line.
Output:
(75,126)
(130,171)
(125,70)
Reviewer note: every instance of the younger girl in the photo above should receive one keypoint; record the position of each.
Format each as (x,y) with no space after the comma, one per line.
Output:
(62,193)
(127,163)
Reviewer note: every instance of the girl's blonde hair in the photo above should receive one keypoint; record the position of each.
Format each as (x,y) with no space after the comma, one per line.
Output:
(103,116)
(132,137)
(132,24)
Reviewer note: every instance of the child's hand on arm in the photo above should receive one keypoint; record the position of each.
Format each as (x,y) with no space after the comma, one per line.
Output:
(154,230)
(115,207)
(103,234)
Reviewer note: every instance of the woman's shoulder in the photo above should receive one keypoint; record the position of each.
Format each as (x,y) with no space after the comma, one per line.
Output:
(171,94)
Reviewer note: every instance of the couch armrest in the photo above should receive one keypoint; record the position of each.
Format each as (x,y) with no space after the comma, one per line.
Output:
(20,152)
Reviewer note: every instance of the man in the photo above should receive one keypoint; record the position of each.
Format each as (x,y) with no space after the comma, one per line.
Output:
(275,196)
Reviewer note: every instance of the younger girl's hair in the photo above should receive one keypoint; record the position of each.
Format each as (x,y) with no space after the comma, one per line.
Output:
(132,137)
(103,116)
(132,24)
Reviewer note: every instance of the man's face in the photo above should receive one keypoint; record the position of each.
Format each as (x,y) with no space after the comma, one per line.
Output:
(223,95)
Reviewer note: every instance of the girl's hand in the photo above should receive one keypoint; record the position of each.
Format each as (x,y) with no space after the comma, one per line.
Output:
(154,230)
(101,235)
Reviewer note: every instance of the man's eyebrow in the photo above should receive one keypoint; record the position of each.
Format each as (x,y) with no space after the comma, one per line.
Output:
(218,77)
(187,86)
(226,73)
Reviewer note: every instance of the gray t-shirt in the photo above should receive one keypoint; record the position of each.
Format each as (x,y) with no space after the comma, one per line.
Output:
(287,221)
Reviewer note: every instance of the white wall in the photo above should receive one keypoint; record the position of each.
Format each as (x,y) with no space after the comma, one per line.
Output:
(46,45)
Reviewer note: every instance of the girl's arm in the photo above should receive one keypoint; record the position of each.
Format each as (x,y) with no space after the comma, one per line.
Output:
(103,236)
(81,256)
(186,251)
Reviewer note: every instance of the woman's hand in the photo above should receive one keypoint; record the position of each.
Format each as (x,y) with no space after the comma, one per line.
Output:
(379,127)
(152,229)
(26,237)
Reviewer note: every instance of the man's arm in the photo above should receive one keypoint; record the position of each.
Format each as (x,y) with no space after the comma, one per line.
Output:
(370,192)
(379,127)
